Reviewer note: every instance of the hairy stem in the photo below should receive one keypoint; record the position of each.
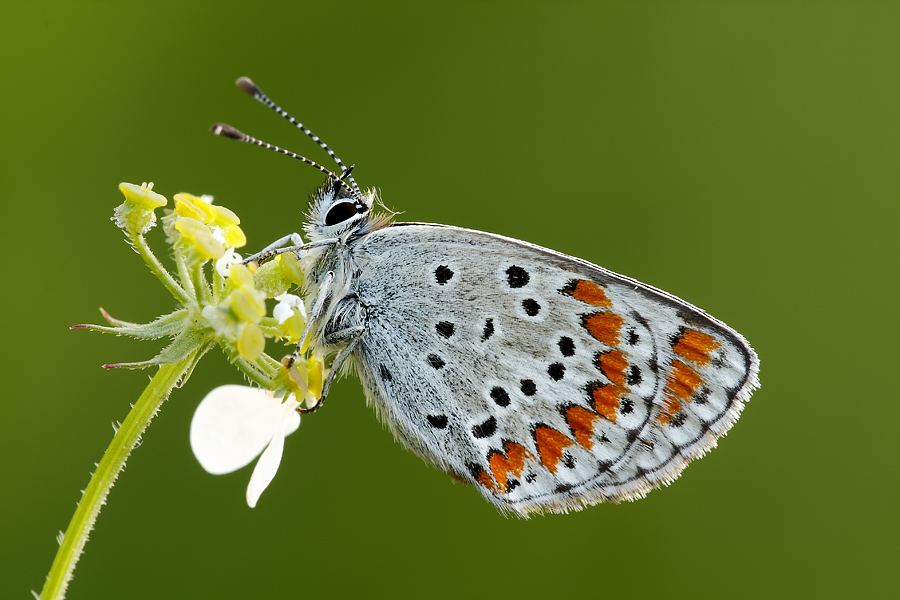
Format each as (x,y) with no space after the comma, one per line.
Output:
(140,244)
(112,463)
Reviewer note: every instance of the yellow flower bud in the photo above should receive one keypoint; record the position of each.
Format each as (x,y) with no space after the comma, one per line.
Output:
(234,236)
(199,236)
(240,276)
(269,278)
(185,208)
(291,266)
(135,215)
(221,216)
(198,203)
(142,195)
(315,377)
(247,305)
(251,341)
(294,326)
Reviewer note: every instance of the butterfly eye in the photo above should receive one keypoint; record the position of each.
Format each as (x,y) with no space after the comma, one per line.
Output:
(340,212)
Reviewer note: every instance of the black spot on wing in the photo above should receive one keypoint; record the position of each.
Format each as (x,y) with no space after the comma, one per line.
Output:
(528,387)
(556,371)
(437,421)
(634,375)
(488,330)
(531,307)
(445,328)
(499,396)
(566,346)
(443,274)
(486,429)
(385,374)
(702,397)
(435,361)
(517,277)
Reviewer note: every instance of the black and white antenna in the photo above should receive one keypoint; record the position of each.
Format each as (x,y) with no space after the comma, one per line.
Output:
(230,132)
(251,88)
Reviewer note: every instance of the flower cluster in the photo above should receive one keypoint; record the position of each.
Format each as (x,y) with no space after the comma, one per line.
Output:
(223,302)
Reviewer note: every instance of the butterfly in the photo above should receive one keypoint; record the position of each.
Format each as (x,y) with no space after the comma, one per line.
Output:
(546,382)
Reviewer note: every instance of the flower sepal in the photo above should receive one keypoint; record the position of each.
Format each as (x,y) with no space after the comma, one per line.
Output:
(182,346)
(168,325)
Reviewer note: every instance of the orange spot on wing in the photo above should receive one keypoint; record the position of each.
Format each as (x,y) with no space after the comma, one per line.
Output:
(513,462)
(683,381)
(695,346)
(517,455)
(485,479)
(550,445)
(671,407)
(581,420)
(613,365)
(588,292)
(607,400)
(604,326)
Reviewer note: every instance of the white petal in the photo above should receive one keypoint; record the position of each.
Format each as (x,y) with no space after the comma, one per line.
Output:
(223,265)
(282,312)
(265,469)
(233,424)
(218,235)
(292,421)
(293,301)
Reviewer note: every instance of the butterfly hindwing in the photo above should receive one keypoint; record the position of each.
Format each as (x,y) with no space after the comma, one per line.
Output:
(547,382)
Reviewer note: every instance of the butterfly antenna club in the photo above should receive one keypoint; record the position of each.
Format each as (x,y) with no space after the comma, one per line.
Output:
(246,84)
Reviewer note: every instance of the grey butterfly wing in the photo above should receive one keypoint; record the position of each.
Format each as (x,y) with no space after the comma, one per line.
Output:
(547,382)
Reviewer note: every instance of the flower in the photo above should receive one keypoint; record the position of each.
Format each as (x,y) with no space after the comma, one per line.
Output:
(200,238)
(135,215)
(229,259)
(236,318)
(225,307)
(234,424)
(201,208)
(278,275)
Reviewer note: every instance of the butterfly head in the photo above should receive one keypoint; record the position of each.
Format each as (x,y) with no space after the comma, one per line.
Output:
(337,210)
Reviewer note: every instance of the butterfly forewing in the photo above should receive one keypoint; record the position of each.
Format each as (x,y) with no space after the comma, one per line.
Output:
(547,382)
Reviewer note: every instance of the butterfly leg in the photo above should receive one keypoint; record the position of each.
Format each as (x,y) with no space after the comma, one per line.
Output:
(354,334)
(324,290)
(279,247)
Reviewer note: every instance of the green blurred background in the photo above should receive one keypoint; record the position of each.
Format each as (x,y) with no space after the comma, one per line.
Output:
(741,155)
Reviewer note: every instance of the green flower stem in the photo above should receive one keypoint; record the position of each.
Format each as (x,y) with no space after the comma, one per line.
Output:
(268,364)
(112,463)
(183,272)
(250,370)
(199,279)
(140,244)
(218,286)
